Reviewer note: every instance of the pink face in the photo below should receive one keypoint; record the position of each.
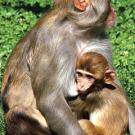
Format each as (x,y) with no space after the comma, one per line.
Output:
(84,80)
(81,4)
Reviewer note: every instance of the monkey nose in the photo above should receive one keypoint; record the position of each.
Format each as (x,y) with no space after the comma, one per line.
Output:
(81,87)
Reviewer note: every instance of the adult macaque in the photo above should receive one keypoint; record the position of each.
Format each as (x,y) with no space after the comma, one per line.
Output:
(40,71)
(100,97)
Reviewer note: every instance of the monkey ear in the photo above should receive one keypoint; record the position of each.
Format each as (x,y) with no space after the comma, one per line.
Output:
(109,76)
(110,21)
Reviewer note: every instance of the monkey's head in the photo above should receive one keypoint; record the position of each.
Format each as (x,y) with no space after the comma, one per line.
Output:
(92,69)
(93,14)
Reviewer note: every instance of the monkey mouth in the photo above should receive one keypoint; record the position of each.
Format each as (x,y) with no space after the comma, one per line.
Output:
(87,89)
(85,92)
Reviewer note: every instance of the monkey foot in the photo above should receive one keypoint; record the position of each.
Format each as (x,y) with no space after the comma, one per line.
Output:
(81,4)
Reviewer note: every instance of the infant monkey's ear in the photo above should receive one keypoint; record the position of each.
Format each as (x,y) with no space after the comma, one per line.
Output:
(81,4)
(109,76)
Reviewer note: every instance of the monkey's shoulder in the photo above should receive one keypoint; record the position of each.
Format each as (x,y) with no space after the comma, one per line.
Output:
(113,88)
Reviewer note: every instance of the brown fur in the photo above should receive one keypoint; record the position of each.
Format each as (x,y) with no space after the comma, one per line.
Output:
(40,71)
(93,62)
(106,104)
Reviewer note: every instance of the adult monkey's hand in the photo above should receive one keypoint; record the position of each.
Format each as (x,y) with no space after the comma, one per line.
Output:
(81,4)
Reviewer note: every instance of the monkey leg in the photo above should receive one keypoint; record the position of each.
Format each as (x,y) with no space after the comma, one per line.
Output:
(22,120)
(108,120)
(89,128)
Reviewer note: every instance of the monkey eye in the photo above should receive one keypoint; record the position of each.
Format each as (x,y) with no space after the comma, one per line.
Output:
(89,76)
(79,74)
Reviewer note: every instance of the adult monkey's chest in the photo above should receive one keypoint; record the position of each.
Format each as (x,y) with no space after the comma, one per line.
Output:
(84,46)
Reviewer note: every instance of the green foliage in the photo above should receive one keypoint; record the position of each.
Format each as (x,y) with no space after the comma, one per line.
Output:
(14,3)
(13,24)
(2,125)
(123,40)
(18,16)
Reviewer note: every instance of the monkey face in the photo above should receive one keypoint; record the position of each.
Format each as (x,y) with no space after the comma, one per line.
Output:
(84,80)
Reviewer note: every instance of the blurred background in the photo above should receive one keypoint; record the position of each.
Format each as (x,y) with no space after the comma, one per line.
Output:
(18,16)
